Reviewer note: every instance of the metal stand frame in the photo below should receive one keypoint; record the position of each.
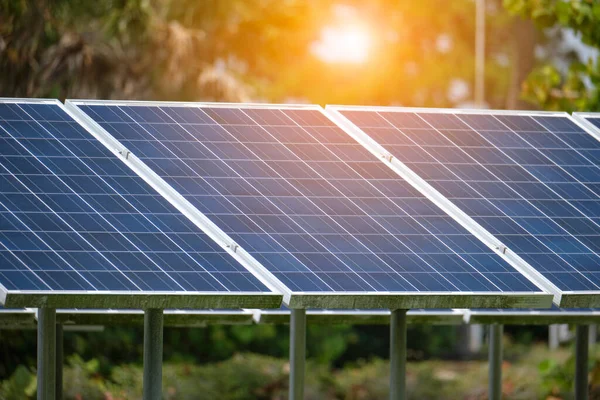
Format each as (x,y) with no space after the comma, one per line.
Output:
(593,336)
(60,356)
(153,353)
(495,362)
(398,355)
(297,353)
(553,337)
(46,354)
(476,334)
(581,362)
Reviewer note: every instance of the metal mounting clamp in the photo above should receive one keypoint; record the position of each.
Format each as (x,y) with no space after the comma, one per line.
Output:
(387,156)
(125,153)
(233,247)
(501,248)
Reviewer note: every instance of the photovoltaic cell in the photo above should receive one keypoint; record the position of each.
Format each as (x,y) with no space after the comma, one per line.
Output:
(531,180)
(73,217)
(308,202)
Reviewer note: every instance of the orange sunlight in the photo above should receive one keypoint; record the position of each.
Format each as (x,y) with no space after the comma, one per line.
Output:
(344,44)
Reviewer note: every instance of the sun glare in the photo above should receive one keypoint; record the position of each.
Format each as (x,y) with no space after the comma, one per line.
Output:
(344,44)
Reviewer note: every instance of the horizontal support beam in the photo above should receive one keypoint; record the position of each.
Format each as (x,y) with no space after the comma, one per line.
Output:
(580,300)
(532,319)
(362,319)
(188,320)
(407,301)
(142,300)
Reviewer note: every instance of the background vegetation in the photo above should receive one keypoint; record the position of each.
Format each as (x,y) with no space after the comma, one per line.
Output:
(539,54)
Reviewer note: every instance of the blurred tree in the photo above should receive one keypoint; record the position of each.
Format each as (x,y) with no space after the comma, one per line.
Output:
(576,87)
(238,50)
(139,49)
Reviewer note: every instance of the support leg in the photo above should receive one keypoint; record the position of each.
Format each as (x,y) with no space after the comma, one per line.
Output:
(46,354)
(153,354)
(398,355)
(476,333)
(495,362)
(59,361)
(297,354)
(553,341)
(593,336)
(581,362)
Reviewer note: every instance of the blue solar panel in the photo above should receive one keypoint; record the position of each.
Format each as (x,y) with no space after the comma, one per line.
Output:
(531,180)
(73,217)
(589,120)
(594,121)
(309,203)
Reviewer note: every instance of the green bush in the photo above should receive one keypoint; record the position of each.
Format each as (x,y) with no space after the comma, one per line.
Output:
(21,385)
(536,374)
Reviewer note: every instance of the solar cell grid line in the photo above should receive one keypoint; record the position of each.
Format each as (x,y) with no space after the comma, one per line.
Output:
(306,204)
(528,179)
(80,229)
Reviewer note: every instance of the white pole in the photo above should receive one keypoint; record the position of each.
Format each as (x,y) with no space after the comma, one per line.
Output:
(480,53)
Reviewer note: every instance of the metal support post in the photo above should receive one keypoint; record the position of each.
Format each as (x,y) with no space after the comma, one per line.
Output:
(297,353)
(476,333)
(46,354)
(153,353)
(593,336)
(581,362)
(398,355)
(59,361)
(495,362)
(553,339)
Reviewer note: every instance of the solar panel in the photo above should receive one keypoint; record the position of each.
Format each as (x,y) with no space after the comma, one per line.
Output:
(362,317)
(323,218)
(172,318)
(78,228)
(554,315)
(530,179)
(589,120)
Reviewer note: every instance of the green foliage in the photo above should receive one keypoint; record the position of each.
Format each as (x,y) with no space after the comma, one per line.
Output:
(82,380)
(536,374)
(243,377)
(21,385)
(557,379)
(579,15)
(557,376)
(577,89)
(328,343)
